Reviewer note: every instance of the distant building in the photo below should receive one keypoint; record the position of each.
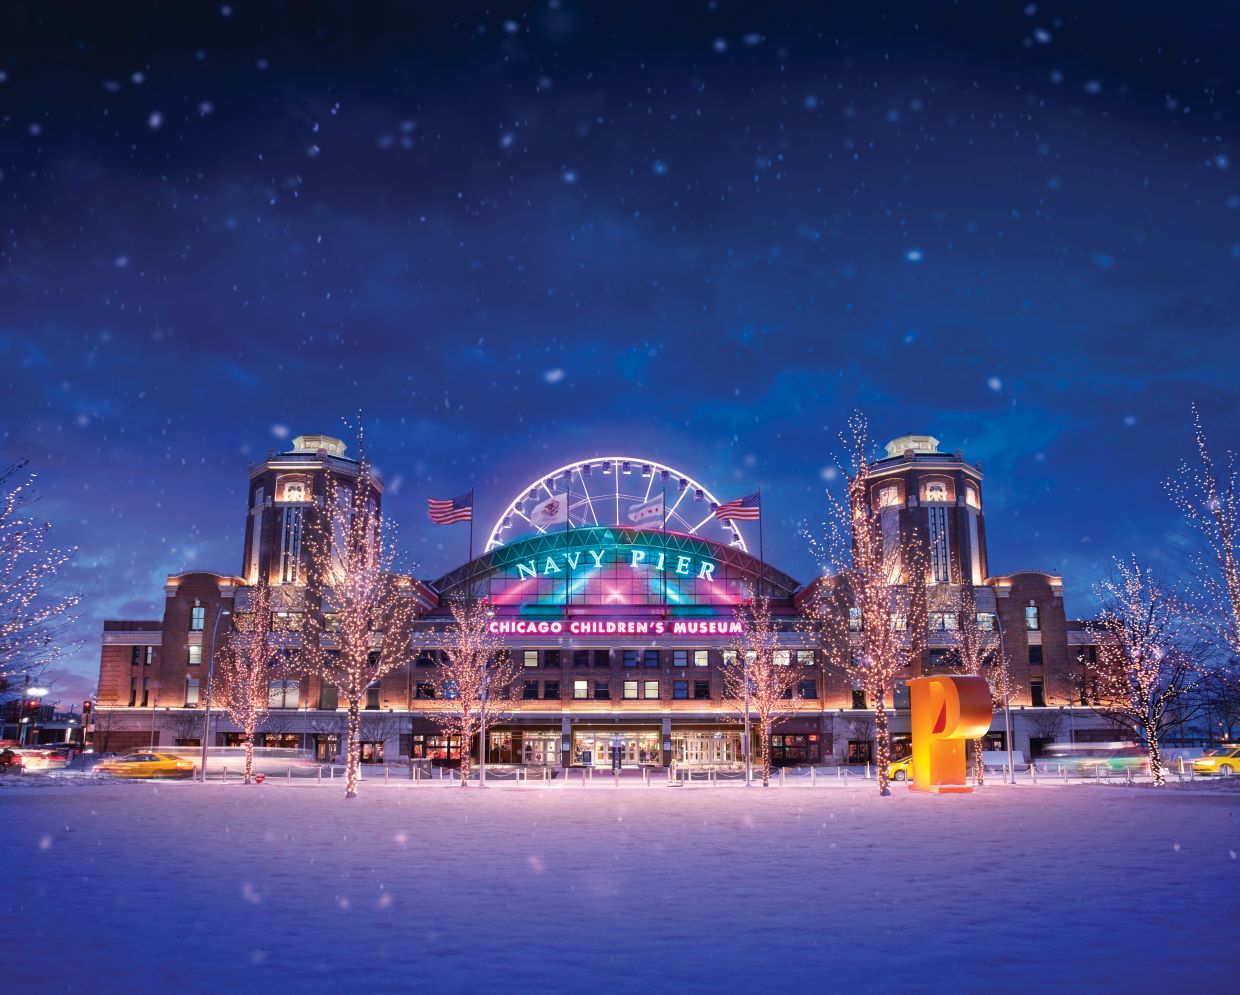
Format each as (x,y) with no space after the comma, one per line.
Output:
(611,577)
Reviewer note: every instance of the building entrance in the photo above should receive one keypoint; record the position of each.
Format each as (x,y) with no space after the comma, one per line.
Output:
(706,748)
(637,747)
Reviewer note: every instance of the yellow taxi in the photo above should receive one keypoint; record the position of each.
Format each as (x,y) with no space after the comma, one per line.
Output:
(1223,760)
(900,770)
(147,765)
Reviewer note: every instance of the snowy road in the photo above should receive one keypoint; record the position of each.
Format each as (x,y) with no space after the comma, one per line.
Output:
(224,888)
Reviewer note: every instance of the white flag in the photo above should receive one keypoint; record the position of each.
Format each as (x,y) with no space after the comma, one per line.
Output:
(647,511)
(550,511)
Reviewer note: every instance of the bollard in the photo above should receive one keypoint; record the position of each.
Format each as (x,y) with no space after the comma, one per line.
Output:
(867,770)
(1033,772)
(646,776)
(1179,765)
(583,776)
(289,779)
(813,775)
(224,776)
(837,773)
(783,776)
(385,775)
(320,774)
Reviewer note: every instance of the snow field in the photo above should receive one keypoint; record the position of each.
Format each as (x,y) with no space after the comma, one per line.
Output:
(191,888)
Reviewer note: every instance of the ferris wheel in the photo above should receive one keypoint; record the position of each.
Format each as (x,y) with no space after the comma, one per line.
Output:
(617,491)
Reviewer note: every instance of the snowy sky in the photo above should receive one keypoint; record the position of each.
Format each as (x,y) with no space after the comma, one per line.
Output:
(529,233)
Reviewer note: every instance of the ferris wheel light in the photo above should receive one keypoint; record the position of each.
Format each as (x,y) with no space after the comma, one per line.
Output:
(683,483)
(698,495)
(606,467)
(663,474)
(628,467)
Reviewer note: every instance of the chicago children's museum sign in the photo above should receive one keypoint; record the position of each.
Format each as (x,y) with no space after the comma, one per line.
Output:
(617,627)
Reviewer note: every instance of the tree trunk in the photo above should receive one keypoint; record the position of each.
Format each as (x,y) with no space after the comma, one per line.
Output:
(249,751)
(979,768)
(764,733)
(1157,770)
(882,746)
(353,759)
(467,747)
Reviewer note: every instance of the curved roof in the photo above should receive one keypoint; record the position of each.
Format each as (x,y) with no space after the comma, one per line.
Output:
(505,558)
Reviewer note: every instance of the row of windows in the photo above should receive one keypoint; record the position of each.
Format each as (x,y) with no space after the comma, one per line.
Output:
(939,621)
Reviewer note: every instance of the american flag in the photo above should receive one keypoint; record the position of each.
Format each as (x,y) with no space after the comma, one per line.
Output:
(459,509)
(746,509)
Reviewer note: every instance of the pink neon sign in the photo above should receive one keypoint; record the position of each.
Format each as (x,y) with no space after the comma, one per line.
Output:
(617,627)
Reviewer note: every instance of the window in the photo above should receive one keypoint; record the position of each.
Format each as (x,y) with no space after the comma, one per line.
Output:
(805,658)
(191,691)
(423,690)
(602,659)
(650,689)
(601,691)
(935,490)
(282,694)
(680,658)
(1037,693)
(1035,655)
(133,692)
(889,496)
(551,658)
(372,696)
(329,697)
(783,658)
(581,658)
(146,691)
(195,655)
(680,690)
(701,690)
(197,618)
(581,690)
(900,695)
(701,658)
(971,497)
(858,697)
(551,690)
(295,490)
(529,691)
(630,690)
(1031,619)
(854,619)
(530,658)
(290,546)
(425,659)
(807,689)
(898,622)
(938,621)
(939,567)
(650,658)
(135,655)
(630,658)
(986,621)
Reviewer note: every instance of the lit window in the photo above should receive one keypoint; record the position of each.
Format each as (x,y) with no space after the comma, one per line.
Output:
(701,658)
(530,658)
(650,689)
(295,490)
(805,658)
(971,497)
(1031,619)
(783,658)
(854,619)
(191,691)
(889,496)
(195,655)
(581,690)
(282,694)
(197,618)
(986,621)
(630,690)
(935,490)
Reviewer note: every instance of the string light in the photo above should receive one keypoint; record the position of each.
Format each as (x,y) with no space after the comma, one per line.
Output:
(247,664)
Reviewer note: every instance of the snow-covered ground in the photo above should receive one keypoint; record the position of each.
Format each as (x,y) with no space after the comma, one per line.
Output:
(274,888)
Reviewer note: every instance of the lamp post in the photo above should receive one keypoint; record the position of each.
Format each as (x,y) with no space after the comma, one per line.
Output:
(745,742)
(1006,676)
(206,715)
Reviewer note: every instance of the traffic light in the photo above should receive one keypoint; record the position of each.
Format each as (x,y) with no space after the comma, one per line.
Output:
(86,707)
(32,704)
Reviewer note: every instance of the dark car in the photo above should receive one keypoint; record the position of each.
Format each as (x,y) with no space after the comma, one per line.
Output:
(10,762)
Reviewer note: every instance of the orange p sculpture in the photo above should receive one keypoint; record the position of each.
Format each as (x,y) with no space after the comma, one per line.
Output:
(947,711)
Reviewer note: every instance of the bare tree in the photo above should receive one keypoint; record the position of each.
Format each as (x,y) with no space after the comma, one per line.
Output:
(379,727)
(1207,494)
(247,666)
(861,729)
(330,724)
(474,684)
(1047,724)
(185,726)
(33,621)
(873,591)
(754,680)
(104,722)
(356,600)
(976,646)
(1147,673)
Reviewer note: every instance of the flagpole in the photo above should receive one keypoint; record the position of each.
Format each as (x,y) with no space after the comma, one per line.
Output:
(663,561)
(568,527)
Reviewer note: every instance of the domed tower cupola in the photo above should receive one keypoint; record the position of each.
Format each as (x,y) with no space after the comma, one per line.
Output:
(937,497)
(282,490)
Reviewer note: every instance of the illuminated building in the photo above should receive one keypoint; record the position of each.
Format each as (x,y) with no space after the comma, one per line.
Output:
(614,587)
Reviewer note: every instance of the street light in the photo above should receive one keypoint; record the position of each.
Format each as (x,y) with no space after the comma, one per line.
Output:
(206,715)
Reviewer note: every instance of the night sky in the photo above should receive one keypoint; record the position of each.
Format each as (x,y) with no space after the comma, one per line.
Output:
(519,235)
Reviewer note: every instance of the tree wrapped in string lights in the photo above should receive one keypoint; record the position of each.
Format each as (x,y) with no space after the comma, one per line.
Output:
(474,684)
(755,680)
(978,650)
(247,665)
(359,609)
(1148,674)
(872,593)
(32,619)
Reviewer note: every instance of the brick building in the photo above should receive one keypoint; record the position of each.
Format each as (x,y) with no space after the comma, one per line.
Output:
(612,577)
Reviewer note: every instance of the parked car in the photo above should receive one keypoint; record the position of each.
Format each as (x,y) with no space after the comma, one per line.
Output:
(900,770)
(146,765)
(1224,760)
(11,762)
(38,758)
